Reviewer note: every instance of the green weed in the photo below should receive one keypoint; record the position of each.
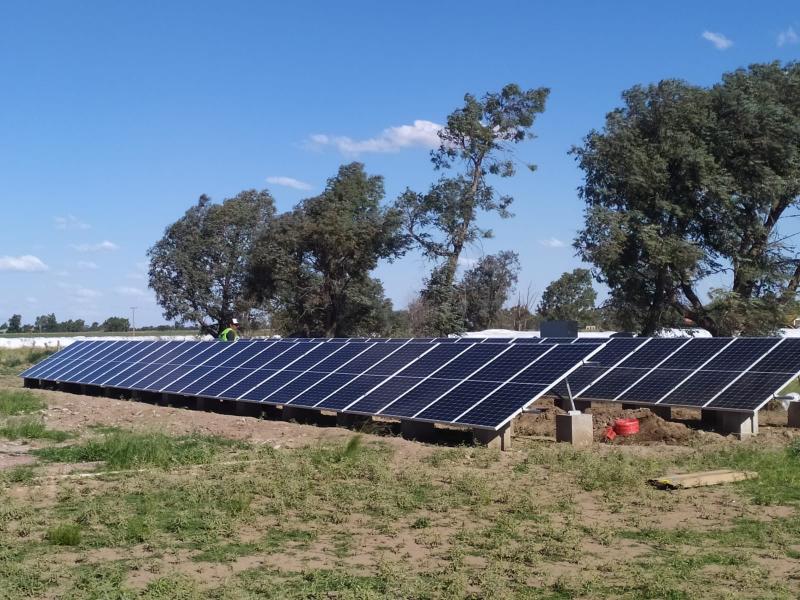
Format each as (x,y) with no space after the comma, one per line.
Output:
(18,402)
(30,428)
(127,450)
(66,534)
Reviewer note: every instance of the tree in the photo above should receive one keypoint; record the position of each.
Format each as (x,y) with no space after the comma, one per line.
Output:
(199,269)
(485,289)
(116,324)
(686,182)
(569,298)
(478,138)
(15,324)
(46,323)
(312,265)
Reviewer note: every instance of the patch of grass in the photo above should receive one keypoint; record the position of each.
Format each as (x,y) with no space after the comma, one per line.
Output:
(30,428)
(19,402)
(778,470)
(22,474)
(127,450)
(66,534)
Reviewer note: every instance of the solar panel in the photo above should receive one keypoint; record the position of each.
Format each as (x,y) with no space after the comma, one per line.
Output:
(739,374)
(466,382)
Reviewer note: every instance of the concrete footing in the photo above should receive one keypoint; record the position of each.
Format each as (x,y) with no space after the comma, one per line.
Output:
(740,424)
(576,429)
(500,440)
(794,414)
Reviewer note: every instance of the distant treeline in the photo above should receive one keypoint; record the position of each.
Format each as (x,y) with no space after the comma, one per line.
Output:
(50,324)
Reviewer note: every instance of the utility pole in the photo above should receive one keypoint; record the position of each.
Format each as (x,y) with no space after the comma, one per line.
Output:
(133,319)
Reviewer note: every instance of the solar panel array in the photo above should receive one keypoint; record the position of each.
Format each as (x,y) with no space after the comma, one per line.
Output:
(740,374)
(478,384)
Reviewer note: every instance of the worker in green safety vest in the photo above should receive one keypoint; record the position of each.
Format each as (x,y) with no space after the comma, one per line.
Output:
(230,334)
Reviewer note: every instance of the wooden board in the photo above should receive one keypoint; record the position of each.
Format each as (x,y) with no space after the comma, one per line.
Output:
(701,478)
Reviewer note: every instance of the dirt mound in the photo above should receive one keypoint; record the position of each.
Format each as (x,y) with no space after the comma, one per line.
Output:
(652,428)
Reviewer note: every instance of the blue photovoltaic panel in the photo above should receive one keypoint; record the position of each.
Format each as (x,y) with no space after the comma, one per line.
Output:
(611,354)
(392,389)
(615,381)
(480,382)
(429,390)
(258,381)
(674,370)
(398,358)
(718,373)
(327,385)
(333,363)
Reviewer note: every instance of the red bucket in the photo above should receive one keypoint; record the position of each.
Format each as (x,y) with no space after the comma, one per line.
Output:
(626,426)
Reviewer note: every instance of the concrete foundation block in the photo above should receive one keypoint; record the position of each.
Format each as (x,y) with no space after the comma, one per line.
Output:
(740,424)
(417,430)
(500,439)
(576,429)
(794,414)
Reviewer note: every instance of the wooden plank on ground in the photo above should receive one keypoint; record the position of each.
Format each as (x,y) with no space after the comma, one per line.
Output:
(701,478)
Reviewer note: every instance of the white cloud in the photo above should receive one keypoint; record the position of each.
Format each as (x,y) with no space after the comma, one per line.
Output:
(420,133)
(70,222)
(718,39)
(290,182)
(26,262)
(78,292)
(788,37)
(102,246)
(552,243)
(87,265)
(130,291)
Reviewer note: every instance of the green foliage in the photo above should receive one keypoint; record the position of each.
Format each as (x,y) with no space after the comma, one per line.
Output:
(312,265)
(15,324)
(485,288)
(686,182)
(116,324)
(199,269)
(571,297)
(31,429)
(126,450)
(17,402)
(66,534)
(478,138)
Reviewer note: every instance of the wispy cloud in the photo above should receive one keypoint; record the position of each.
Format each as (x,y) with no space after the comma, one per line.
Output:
(552,243)
(78,292)
(70,222)
(289,182)
(130,291)
(26,262)
(789,36)
(31,299)
(103,246)
(720,41)
(87,265)
(420,133)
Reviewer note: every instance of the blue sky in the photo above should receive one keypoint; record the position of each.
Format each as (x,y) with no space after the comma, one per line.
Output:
(115,117)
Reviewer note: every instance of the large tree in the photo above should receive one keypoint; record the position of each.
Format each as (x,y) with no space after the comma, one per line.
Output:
(477,142)
(485,288)
(684,183)
(199,269)
(571,297)
(312,265)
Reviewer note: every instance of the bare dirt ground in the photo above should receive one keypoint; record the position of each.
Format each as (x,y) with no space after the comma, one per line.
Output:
(540,516)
